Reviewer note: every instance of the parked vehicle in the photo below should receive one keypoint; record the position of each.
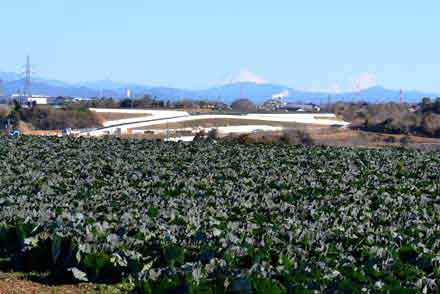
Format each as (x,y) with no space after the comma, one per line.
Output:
(14,133)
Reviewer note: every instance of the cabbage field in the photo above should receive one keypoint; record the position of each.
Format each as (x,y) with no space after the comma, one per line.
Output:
(221,218)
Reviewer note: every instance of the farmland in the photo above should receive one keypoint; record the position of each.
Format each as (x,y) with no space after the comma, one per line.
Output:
(161,119)
(217,217)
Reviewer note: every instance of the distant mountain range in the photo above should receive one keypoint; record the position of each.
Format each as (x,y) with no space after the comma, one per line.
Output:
(258,92)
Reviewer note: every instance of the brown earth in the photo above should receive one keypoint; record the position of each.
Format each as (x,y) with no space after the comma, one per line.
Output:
(20,283)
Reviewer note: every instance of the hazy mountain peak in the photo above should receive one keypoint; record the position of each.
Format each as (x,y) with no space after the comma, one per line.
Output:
(244,76)
(242,84)
(10,76)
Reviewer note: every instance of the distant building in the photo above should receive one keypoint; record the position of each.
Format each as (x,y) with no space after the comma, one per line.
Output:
(37,99)
(221,106)
(78,99)
(272,104)
(216,106)
(40,99)
(60,100)
(301,107)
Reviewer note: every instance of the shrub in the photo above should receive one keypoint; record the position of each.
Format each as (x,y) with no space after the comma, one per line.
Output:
(405,140)
(431,125)
(213,134)
(246,139)
(296,137)
(45,118)
(200,136)
(390,139)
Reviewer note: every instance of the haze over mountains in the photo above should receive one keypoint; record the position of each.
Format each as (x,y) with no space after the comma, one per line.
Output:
(232,87)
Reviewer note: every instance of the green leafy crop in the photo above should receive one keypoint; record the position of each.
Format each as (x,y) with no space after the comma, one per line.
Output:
(217,217)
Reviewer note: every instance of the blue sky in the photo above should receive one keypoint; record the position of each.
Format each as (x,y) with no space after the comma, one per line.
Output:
(311,45)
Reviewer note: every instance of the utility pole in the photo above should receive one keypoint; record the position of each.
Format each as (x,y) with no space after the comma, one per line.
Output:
(329,98)
(402,97)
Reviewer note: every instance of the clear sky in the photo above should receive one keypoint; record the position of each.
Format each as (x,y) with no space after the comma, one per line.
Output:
(311,45)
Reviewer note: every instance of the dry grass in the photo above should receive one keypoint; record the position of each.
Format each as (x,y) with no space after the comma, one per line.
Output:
(107,116)
(33,283)
(43,133)
(368,139)
(346,138)
(224,122)
(22,284)
(24,128)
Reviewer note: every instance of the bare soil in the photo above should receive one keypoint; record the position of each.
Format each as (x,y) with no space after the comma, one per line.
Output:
(24,283)
(21,284)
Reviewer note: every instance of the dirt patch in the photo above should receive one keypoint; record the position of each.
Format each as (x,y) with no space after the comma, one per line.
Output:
(20,284)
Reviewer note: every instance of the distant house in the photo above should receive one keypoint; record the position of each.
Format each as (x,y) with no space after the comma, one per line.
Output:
(302,107)
(37,99)
(40,99)
(273,104)
(78,99)
(220,106)
(413,108)
(61,100)
(216,106)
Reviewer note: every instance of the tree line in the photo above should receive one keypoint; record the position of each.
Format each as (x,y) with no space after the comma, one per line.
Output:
(148,101)
(393,118)
(48,118)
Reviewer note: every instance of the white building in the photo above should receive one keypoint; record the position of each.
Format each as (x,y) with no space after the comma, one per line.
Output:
(38,99)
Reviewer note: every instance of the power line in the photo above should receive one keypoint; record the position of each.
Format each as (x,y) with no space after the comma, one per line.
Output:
(2,90)
(329,101)
(402,97)
(27,79)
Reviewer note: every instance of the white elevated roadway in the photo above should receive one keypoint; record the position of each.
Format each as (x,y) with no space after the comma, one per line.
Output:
(159,117)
